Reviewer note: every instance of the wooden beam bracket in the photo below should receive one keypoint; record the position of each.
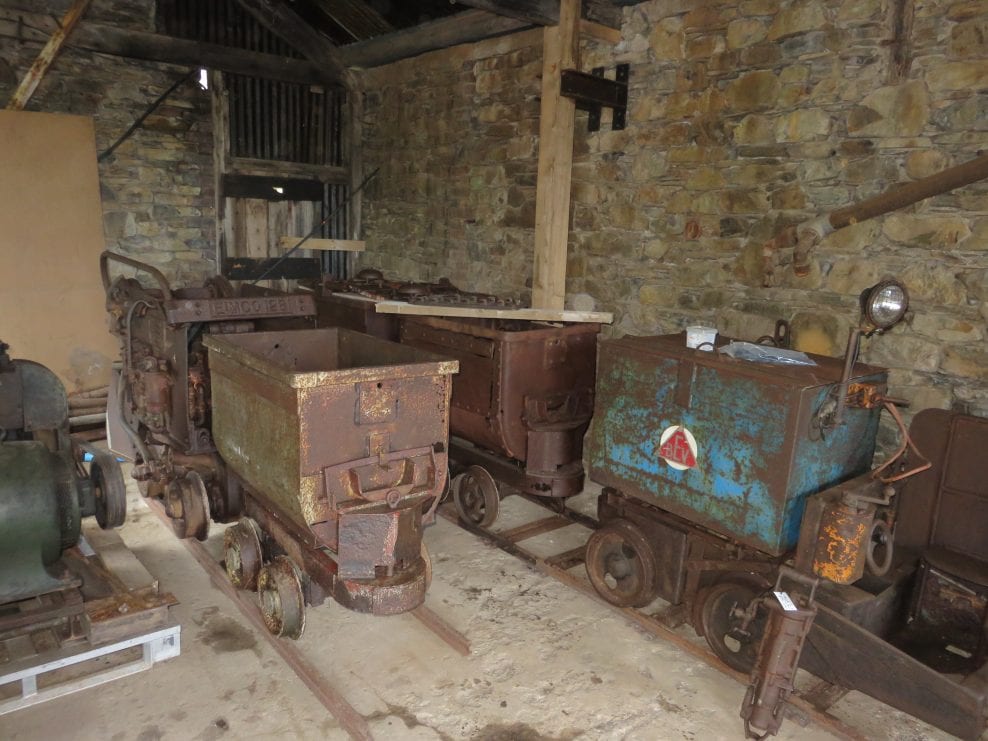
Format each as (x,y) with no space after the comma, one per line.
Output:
(593,92)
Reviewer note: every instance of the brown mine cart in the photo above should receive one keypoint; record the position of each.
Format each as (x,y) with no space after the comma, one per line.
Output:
(521,404)
(340,441)
(159,412)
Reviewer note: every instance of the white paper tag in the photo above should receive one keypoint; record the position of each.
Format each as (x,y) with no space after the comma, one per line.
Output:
(786,601)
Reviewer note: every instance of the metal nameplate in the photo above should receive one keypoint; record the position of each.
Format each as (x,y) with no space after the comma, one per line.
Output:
(232,309)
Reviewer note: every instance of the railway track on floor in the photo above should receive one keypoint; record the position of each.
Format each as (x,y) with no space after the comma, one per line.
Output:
(559,566)
(331,698)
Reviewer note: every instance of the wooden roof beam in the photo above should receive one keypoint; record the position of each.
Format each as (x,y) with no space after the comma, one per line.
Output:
(546,12)
(461,28)
(154,47)
(47,56)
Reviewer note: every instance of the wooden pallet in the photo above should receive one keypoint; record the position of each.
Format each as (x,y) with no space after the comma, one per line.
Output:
(109,621)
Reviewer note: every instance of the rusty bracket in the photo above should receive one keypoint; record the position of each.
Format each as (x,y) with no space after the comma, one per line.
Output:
(865,395)
(592,92)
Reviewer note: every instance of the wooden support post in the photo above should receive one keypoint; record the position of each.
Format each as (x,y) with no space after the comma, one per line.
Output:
(48,53)
(557,120)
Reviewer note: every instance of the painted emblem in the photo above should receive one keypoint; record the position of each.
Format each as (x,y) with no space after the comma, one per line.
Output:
(677,447)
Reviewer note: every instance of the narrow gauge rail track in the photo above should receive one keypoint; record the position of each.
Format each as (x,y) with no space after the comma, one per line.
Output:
(662,624)
(331,698)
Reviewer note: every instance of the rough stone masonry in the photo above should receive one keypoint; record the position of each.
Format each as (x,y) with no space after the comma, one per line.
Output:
(157,188)
(744,117)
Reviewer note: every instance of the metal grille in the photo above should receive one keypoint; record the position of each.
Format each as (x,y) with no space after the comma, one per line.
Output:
(285,121)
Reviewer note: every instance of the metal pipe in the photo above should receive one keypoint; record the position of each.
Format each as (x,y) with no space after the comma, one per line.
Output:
(898,196)
(853,339)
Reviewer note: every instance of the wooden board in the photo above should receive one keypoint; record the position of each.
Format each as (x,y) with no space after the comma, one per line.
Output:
(51,219)
(314,243)
(557,120)
(542,315)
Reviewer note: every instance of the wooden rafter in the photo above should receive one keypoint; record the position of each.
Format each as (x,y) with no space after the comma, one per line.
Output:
(48,53)
(546,12)
(355,17)
(461,28)
(284,22)
(154,47)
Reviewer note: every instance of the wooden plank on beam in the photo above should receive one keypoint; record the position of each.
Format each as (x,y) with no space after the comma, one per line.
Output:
(461,28)
(48,53)
(552,195)
(313,243)
(600,32)
(275,168)
(533,314)
(152,47)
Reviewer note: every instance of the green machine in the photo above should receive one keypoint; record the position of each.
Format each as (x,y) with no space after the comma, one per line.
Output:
(45,489)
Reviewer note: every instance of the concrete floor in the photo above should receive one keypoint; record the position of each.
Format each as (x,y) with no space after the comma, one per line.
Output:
(546,663)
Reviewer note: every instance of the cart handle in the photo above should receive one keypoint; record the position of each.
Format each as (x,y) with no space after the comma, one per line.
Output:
(104,271)
(346,474)
(800,578)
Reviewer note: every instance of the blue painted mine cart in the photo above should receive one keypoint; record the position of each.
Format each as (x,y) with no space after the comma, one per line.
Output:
(731,445)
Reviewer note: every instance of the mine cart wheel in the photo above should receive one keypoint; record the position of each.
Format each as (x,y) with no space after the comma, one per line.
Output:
(476,498)
(721,610)
(242,554)
(878,552)
(188,506)
(282,603)
(109,491)
(621,564)
(427,561)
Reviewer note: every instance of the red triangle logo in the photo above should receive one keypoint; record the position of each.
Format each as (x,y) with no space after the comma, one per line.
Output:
(677,449)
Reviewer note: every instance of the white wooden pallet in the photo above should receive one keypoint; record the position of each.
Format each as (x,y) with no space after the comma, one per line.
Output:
(157,645)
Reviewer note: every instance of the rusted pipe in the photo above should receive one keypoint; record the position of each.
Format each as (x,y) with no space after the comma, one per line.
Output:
(810,233)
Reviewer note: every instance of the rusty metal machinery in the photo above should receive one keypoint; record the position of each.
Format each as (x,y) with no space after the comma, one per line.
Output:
(720,472)
(350,303)
(520,407)
(44,489)
(339,440)
(159,412)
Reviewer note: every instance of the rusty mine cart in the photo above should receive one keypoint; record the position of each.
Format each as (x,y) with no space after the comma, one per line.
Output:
(728,482)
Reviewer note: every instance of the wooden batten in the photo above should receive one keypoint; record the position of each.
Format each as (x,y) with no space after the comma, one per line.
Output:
(48,53)
(315,243)
(533,314)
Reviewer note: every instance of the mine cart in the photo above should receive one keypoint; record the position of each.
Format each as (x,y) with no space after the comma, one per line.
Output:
(521,405)
(741,492)
(339,440)
(159,406)
(351,304)
(707,458)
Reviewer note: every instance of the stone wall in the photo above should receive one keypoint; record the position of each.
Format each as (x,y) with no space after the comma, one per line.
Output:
(157,188)
(744,117)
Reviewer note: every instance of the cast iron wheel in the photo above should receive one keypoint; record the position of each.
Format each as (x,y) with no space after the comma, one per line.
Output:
(475,496)
(109,491)
(188,506)
(282,603)
(878,552)
(621,564)
(722,609)
(242,554)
